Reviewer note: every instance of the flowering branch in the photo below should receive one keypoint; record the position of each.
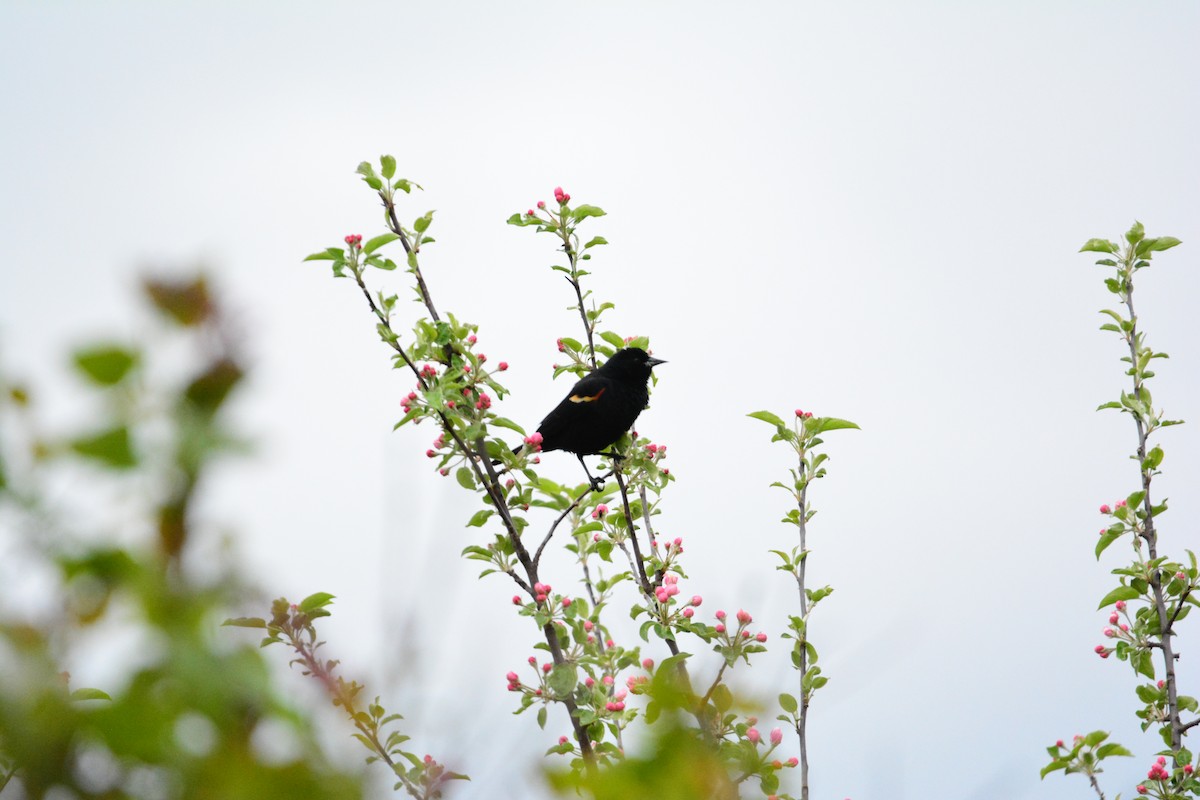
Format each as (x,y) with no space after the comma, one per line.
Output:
(803,436)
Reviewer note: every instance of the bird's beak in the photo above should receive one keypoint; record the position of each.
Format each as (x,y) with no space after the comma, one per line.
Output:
(654,362)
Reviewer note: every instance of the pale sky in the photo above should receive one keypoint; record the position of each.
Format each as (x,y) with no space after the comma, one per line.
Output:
(868,210)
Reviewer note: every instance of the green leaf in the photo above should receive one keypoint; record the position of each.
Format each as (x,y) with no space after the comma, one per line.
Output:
(105,365)
(833,424)
(1112,749)
(1119,593)
(768,417)
(1099,246)
(388,166)
(89,694)
(112,447)
(1052,767)
(595,240)
(465,478)
(583,212)
(315,601)
(788,703)
(330,254)
(245,622)
(562,679)
(541,717)
(1164,243)
(1136,233)
(422,223)
(480,518)
(379,241)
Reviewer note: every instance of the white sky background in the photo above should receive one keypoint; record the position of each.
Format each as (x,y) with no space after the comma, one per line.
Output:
(869,211)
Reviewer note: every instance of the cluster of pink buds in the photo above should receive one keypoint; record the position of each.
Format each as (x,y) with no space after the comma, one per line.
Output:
(562,197)
(428,371)
(541,591)
(656,451)
(802,414)
(637,683)
(618,702)
(534,442)
(354,241)
(514,682)
(1159,771)
(561,348)
(599,511)
(669,589)
(1107,509)
(407,401)
(484,402)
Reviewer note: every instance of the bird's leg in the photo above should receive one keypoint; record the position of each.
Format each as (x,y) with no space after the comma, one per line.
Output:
(597,483)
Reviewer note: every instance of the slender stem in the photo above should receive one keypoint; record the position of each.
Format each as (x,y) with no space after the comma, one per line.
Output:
(537,557)
(643,581)
(1149,533)
(801,574)
(1096,786)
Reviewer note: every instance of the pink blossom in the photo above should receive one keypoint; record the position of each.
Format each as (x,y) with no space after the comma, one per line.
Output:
(1124,627)
(647,664)
(753,735)
(745,634)
(547,667)
(1109,632)
(608,680)
(589,681)
(761,637)
(444,471)
(1161,684)
(566,602)
(1120,605)
(529,213)
(503,365)
(534,441)
(1114,618)
(431,453)
(744,617)
(471,339)
(542,204)
(662,594)
(588,625)
(1104,509)
(516,599)
(776,736)
(793,761)
(512,677)
(719,628)
(800,413)
(1121,504)
(720,615)
(688,613)
(697,600)
(562,740)
(599,511)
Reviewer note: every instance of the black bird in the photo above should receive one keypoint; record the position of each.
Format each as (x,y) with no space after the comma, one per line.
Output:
(600,407)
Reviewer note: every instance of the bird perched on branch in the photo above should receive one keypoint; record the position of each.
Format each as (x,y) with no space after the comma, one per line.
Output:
(599,408)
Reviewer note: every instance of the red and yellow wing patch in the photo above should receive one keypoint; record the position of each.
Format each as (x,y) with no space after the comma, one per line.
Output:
(575,398)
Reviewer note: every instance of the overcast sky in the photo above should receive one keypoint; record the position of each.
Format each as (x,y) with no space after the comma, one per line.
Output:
(871,211)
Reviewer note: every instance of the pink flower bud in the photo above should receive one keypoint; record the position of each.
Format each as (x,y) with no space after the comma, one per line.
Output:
(1120,605)
(744,617)
(1059,743)
(502,366)
(1114,618)
(566,602)
(1101,648)
(431,453)
(762,637)
(608,643)
(1104,509)
(529,213)
(444,471)
(793,761)
(1181,576)
(533,661)
(1124,627)
(800,413)
(719,628)
(562,740)
(662,594)
(547,667)
(1141,789)
(599,511)
(776,736)
(516,599)
(588,625)
(471,339)
(697,600)
(720,615)
(745,634)
(688,613)
(512,677)
(542,204)
(753,735)
(1187,769)
(1161,761)
(589,681)
(608,680)
(1121,504)
(647,664)
(1109,632)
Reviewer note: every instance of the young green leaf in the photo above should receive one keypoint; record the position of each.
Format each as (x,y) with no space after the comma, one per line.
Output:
(105,365)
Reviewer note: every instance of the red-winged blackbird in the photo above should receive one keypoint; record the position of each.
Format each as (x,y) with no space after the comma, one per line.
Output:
(600,407)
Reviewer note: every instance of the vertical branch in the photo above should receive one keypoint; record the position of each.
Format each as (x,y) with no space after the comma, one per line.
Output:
(802,721)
